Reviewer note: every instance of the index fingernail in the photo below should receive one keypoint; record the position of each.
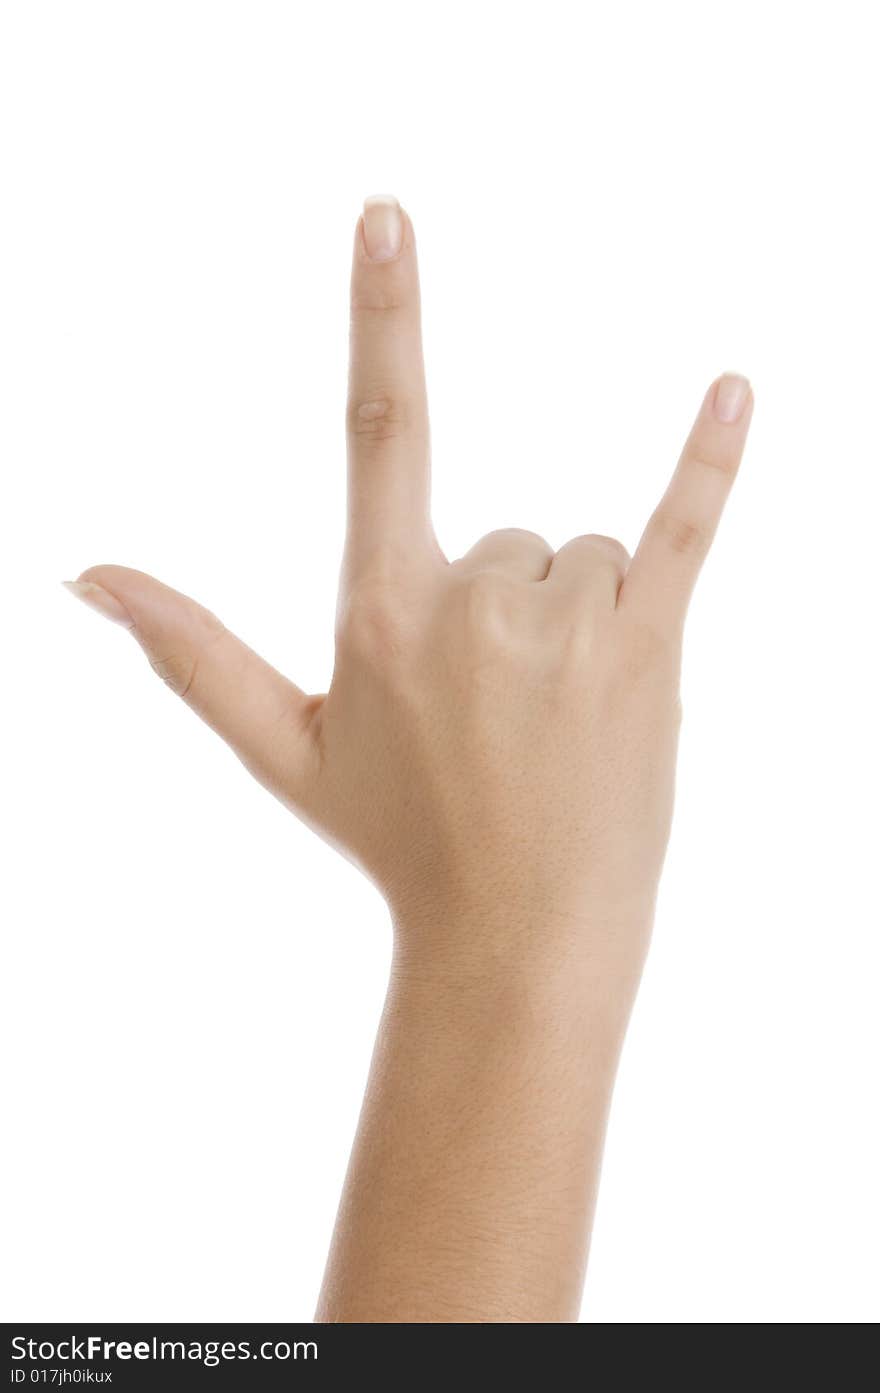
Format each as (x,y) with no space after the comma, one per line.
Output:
(731,395)
(383,227)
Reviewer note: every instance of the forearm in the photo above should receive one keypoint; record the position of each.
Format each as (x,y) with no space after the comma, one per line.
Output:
(473,1177)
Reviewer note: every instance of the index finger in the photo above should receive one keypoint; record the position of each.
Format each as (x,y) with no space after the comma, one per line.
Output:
(679,533)
(387,413)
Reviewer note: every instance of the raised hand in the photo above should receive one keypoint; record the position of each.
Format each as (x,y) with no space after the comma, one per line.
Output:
(497,746)
(505,719)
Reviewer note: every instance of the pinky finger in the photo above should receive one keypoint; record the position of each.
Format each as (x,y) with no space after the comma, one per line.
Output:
(679,533)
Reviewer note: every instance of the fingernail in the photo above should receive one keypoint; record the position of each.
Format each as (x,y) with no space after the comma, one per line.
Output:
(99,599)
(731,395)
(383,227)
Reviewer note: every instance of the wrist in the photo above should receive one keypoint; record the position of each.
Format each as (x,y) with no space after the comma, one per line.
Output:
(510,963)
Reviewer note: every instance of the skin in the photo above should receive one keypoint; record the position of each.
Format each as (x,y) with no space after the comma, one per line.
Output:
(497,753)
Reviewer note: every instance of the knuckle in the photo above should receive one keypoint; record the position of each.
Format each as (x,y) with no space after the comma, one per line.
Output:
(179,668)
(504,546)
(177,671)
(716,461)
(683,536)
(611,546)
(377,297)
(379,418)
(519,535)
(601,548)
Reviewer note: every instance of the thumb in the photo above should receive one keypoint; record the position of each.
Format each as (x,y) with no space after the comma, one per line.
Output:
(266,720)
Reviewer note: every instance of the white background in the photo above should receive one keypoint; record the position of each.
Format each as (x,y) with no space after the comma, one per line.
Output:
(613,203)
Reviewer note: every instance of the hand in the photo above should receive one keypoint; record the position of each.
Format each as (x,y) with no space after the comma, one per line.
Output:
(497,746)
(496,751)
